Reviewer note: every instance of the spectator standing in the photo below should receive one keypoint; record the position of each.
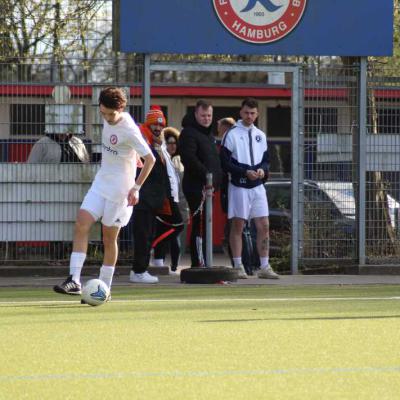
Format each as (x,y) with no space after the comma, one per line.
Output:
(244,157)
(223,125)
(171,136)
(114,190)
(57,148)
(199,155)
(159,197)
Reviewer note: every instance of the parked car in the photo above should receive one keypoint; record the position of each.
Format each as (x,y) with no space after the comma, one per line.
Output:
(342,194)
(322,216)
(329,225)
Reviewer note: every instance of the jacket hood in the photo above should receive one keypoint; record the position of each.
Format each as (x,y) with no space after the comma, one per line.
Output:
(189,120)
(239,124)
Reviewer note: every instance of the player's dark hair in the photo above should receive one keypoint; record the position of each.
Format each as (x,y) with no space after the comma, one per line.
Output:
(250,102)
(113,97)
(204,104)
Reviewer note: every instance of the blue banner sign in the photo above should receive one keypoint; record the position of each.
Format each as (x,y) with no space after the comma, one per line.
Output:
(275,27)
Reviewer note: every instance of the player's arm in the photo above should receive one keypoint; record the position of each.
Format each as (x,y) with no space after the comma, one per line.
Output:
(225,155)
(263,170)
(133,195)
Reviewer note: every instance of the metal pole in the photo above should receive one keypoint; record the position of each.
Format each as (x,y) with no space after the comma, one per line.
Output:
(146,84)
(297,173)
(362,160)
(209,225)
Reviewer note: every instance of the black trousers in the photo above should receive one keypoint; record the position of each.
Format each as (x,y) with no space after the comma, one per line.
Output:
(172,240)
(197,252)
(143,233)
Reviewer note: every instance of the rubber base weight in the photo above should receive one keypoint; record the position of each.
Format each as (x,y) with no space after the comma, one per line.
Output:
(208,275)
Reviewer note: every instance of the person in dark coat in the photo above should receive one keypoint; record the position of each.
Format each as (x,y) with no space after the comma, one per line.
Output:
(199,155)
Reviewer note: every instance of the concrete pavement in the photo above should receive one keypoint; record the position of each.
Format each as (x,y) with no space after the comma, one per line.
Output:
(31,276)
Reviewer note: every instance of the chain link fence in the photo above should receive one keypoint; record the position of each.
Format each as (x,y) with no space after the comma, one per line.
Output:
(383,166)
(329,208)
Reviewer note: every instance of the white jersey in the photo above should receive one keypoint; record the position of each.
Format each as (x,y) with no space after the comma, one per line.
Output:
(120,145)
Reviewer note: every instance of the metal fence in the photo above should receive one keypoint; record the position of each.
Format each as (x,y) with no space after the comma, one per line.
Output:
(330,121)
(342,160)
(57,55)
(55,58)
(382,166)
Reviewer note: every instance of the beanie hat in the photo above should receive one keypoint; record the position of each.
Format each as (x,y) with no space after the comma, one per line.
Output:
(155,117)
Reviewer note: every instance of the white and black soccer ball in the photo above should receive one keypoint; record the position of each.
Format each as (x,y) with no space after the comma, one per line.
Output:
(95,292)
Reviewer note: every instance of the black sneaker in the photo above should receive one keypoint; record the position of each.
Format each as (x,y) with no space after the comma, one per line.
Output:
(68,287)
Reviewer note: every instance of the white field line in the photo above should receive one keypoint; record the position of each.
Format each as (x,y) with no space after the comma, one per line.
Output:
(213,300)
(201,374)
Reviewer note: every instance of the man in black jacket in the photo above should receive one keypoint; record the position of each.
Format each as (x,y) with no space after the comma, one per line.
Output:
(199,156)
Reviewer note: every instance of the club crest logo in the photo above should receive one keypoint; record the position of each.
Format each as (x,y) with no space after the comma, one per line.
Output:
(259,21)
(113,139)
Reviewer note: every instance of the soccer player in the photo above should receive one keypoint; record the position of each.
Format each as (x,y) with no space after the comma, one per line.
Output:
(114,190)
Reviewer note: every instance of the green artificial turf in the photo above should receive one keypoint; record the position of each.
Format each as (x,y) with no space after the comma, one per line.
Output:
(203,342)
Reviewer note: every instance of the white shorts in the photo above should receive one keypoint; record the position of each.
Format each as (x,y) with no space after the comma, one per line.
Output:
(247,203)
(110,212)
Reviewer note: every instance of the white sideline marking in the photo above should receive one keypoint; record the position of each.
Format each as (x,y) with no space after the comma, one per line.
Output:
(199,374)
(214,300)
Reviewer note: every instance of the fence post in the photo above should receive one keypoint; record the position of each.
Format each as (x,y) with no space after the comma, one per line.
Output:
(209,224)
(362,149)
(146,83)
(297,169)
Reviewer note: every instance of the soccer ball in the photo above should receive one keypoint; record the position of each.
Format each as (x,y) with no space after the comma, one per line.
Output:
(95,292)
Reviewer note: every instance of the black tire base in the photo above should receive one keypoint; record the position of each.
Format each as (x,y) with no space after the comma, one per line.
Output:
(208,275)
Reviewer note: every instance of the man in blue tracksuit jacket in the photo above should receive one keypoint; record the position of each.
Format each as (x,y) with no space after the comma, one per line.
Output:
(244,157)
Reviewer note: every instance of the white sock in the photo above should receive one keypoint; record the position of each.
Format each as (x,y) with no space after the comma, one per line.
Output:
(158,262)
(75,265)
(106,274)
(264,262)
(237,261)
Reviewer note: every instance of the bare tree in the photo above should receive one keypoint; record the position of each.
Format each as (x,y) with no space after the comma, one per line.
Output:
(57,39)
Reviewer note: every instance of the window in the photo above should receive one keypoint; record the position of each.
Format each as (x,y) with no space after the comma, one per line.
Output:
(280,154)
(319,120)
(38,119)
(388,121)
(27,119)
(279,122)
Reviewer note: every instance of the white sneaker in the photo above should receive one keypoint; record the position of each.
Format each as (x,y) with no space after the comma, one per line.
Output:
(241,272)
(145,277)
(268,273)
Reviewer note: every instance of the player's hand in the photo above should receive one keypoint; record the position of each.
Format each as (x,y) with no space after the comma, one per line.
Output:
(133,197)
(252,175)
(260,173)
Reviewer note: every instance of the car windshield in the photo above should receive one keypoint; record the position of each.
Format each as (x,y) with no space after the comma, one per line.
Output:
(342,195)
